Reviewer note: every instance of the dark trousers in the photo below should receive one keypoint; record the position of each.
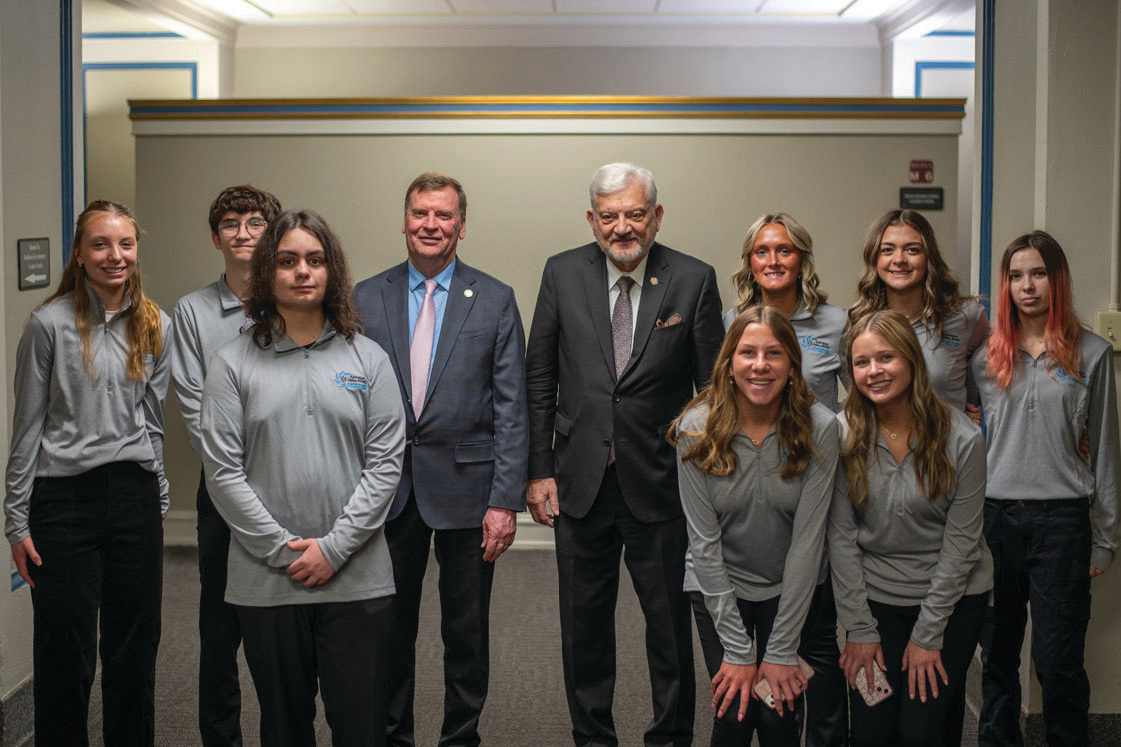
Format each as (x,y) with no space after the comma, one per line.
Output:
(588,552)
(899,720)
(1041,555)
(827,705)
(294,650)
(219,632)
(465,586)
(729,731)
(100,536)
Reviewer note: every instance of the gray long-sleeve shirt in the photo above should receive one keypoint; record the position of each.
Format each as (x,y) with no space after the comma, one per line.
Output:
(68,421)
(303,443)
(819,335)
(901,549)
(948,357)
(202,322)
(755,535)
(1033,428)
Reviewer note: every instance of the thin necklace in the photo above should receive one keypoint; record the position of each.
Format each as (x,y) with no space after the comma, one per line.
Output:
(758,444)
(891,435)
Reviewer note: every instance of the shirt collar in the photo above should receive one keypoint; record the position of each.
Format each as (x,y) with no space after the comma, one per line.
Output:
(282,343)
(613,273)
(443,278)
(226,296)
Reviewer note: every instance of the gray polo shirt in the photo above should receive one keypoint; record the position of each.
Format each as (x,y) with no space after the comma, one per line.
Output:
(755,535)
(203,321)
(301,443)
(819,335)
(948,356)
(1033,428)
(901,549)
(68,421)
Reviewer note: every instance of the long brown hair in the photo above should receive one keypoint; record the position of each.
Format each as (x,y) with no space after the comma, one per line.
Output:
(930,417)
(941,292)
(744,280)
(711,448)
(141,314)
(338,301)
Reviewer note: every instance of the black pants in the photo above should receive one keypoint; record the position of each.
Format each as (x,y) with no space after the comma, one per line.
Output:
(588,551)
(219,632)
(900,720)
(465,586)
(100,536)
(729,731)
(294,650)
(1041,555)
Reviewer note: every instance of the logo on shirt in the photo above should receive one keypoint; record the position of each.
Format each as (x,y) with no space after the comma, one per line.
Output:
(950,340)
(352,381)
(1060,374)
(815,345)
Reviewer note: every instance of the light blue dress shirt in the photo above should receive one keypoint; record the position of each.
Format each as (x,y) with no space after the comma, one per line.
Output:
(439,299)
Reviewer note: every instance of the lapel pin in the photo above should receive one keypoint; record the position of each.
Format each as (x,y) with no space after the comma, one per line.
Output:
(653,281)
(467,292)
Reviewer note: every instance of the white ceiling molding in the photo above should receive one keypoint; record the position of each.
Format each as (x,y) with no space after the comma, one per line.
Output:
(557,35)
(919,17)
(187,16)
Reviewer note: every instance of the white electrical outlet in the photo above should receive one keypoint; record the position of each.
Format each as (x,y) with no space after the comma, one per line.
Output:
(1109,326)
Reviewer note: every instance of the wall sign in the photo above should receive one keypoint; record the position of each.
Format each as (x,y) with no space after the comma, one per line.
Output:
(34,263)
(922,172)
(920,198)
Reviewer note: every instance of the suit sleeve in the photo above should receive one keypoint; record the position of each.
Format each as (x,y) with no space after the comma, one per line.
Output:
(511,421)
(542,375)
(708,330)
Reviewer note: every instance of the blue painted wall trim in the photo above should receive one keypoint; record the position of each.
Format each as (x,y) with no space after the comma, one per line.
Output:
(951,33)
(984,274)
(132,35)
(924,65)
(87,66)
(66,121)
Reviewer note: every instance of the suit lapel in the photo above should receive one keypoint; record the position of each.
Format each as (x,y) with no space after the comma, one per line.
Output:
(461,297)
(595,287)
(653,291)
(395,299)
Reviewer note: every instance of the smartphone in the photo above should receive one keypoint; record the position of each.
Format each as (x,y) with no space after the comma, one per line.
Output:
(763,691)
(880,691)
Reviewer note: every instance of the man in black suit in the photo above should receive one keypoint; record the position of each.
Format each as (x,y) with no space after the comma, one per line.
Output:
(463,476)
(623,332)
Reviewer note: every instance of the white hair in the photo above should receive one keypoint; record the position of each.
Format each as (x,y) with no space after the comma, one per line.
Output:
(614,177)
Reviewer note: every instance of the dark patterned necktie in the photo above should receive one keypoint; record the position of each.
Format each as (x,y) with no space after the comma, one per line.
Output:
(622,330)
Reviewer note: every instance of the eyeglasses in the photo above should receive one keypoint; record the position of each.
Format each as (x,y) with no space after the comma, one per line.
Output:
(254,226)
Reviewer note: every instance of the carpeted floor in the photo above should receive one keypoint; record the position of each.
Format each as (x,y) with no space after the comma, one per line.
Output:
(526,706)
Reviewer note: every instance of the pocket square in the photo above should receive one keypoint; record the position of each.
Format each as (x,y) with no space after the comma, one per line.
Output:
(674,319)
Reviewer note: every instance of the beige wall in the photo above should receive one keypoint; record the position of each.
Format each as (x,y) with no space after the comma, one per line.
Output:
(527,198)
(328,71)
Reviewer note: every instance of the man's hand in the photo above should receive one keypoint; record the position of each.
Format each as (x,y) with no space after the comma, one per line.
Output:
(21,551)
(541,497)
(499,526)
(310,569)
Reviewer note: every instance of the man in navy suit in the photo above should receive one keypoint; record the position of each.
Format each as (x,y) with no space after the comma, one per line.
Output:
(458,349)
(624,330)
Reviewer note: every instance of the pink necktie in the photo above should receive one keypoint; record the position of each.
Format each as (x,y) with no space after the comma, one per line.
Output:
(420,352)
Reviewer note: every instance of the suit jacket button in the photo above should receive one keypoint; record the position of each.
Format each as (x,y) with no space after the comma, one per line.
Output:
(416,441)
(615,400)
(607,442)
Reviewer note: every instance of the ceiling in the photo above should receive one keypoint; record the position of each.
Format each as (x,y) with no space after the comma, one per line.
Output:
(229,20)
